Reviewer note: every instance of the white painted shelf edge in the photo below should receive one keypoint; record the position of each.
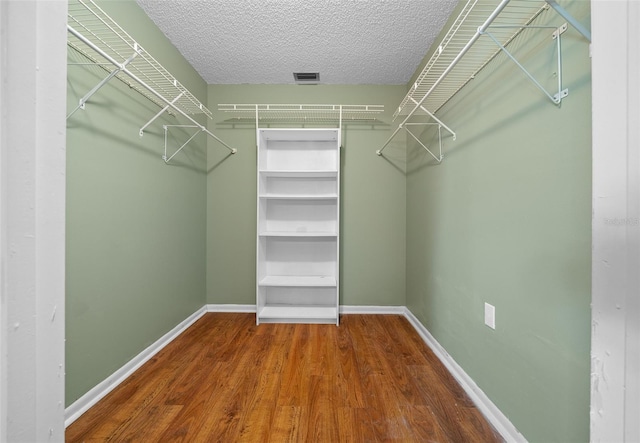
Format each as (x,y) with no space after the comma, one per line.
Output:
(299,173)
(280,312)
(300,196)
(298,281)
(298,234)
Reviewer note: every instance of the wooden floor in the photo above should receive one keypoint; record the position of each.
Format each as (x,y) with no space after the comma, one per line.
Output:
(371,379)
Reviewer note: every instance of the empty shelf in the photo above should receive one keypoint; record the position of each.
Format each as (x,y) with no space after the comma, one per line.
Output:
(303,113)
(95,35)
(324,314)
(298,281)
(300,196)
(437,80)
(298,234)
(482,30)
(104,42)
(300,174)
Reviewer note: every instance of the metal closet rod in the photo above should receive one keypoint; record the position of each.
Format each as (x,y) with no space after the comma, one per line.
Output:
(483,30)
(455,61)
(123,68)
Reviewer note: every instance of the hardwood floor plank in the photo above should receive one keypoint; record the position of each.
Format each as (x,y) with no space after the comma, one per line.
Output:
(348,383)
(371,379)
(354,425)
(149,425)
(120,411)
(321,419)
(286,424)
(188,421)
(424,425)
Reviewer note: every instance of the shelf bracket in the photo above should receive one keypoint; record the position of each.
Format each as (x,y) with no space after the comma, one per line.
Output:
(439,157)
(562,93)
(200,128)
(104,81)
(433,117)
(160,113)
(569,18)
(166,133)
(405,124)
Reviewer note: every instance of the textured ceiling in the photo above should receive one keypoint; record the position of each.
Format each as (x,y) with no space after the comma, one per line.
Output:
(265,41)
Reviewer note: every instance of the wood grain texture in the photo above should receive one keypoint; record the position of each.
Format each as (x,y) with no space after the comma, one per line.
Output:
(371,379)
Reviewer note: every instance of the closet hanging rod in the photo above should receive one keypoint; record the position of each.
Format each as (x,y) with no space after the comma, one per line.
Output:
(453,65)
(87,18)
(123,68)
(455,61)
(98,38)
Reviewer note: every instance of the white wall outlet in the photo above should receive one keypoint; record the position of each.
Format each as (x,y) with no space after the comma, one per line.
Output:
(490,315)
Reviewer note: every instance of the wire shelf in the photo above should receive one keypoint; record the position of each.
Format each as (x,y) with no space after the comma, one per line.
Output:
(303,113)
(505,26)
(87,21)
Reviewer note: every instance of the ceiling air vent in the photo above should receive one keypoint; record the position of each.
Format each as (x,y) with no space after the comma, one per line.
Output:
(306,78)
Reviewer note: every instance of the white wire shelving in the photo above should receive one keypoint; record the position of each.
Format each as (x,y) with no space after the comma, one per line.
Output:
(482,30)
(104,43)
(312,114)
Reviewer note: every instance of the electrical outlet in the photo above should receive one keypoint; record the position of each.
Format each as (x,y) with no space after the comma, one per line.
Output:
(490,315)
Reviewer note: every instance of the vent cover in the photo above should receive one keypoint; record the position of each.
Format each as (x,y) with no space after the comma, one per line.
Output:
(307,78)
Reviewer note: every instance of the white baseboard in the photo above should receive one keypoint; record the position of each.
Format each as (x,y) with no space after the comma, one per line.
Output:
(81,405)
(230,308)
(349,309)
(344,309)
(499,421)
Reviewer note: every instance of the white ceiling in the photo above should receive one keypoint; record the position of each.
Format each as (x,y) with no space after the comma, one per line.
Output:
(265,41)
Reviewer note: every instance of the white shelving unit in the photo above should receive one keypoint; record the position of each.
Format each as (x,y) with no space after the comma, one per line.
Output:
(482,30)
(303,113)
(102,42)
(298,225)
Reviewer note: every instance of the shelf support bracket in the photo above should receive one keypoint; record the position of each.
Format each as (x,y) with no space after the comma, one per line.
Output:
(104,81)
(160,113)
(433,117)
(200,129)
(166,132)
(437,158)
(405,124)
(562,93)
(570,19)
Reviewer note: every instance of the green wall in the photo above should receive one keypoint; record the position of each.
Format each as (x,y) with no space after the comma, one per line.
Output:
(506,219)
(135,226)
(372,242)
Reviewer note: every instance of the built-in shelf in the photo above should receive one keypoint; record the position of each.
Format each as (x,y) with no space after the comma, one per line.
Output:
(298,314)
(300,174)
(298,225)
(298,281)
(300,196)
(300,234)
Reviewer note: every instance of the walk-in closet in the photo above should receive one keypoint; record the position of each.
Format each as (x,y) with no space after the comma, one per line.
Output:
(329,221)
